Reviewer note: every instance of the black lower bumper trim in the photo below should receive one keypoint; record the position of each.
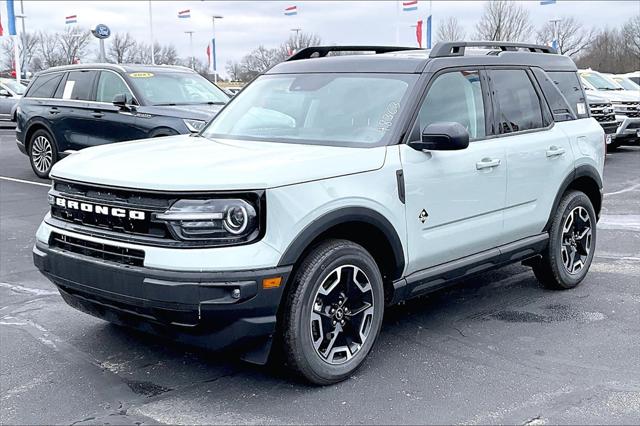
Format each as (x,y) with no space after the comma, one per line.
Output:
(208,309)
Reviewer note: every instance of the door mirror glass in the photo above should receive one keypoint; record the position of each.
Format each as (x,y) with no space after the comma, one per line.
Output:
(443,136)
(5,93)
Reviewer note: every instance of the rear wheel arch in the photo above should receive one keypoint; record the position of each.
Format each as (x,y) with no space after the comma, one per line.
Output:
(34,127)
(585,179)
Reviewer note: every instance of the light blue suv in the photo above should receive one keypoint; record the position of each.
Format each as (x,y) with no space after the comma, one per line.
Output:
(330,188)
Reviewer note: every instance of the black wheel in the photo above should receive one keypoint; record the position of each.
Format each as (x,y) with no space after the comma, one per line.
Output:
(572,243)
(613,146)
(333,312)
(43,153)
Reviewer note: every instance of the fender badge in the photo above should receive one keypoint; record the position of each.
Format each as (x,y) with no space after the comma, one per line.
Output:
(423,216)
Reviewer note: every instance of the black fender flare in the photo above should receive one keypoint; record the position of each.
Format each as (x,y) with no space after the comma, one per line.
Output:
(584,170)
(344,215)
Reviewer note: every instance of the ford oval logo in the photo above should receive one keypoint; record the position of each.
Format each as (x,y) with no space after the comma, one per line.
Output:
(101,31)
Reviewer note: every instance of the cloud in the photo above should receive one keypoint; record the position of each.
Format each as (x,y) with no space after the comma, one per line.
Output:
(247,24)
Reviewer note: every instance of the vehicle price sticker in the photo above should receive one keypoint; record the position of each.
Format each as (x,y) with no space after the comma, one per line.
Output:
(141,74)
(581,108)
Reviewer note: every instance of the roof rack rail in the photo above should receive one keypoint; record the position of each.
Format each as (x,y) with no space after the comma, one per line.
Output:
(457,48)
(322,51)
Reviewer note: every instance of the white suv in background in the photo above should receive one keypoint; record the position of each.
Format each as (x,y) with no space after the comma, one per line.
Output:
(626,106)
(330,188)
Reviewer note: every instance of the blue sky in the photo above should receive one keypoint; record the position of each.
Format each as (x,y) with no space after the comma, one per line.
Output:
(248,24)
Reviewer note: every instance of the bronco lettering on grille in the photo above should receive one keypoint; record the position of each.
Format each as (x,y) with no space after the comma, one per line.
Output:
(99,209)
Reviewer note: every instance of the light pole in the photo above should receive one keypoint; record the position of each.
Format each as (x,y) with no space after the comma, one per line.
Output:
(213,67)
(193,65)
(153,55)
(555,42)
(24,40)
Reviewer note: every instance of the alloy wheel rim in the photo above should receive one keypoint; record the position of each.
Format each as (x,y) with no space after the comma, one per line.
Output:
(342,314)
(42,154)
(576,240)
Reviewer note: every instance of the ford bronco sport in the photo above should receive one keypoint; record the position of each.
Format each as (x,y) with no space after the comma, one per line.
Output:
(329,188)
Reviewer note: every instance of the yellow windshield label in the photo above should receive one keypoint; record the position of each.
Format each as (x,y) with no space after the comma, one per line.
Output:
(141,74)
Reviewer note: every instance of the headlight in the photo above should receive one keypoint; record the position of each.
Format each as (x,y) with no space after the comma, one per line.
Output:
(194,125)
(223,221)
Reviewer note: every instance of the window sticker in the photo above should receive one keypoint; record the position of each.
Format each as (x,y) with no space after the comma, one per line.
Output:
(68,89)
(581,108)
(141,74)
(386,121)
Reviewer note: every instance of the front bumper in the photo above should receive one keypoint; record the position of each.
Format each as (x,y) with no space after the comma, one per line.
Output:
(628,127)
(208,309)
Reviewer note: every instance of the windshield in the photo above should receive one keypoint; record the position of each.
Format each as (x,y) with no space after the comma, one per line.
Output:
(176,88)
(626,83)
(14,86)
(599,82)
(331,109)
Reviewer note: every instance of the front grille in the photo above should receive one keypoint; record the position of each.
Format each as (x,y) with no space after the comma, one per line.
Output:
(100,251)
(142,229)
(602,112)
(633,126)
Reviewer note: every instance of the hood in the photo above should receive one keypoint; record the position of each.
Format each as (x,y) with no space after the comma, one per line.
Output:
(194,112)
(620,95)
(593,98)
(185,163)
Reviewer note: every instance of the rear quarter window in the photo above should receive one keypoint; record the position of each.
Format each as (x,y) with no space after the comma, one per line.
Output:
(569,85)
(44,86)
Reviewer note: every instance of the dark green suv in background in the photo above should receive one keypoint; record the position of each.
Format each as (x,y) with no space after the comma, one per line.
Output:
(73,107)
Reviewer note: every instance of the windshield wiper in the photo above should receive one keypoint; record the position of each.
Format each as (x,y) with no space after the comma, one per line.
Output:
(168,104)
(215,103)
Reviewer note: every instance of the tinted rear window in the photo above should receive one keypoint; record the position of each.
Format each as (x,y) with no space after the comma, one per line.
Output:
(519,105)
(570,87)
(44,86)
(79,85)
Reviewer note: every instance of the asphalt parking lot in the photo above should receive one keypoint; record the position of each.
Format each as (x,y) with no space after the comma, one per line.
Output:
(495,349)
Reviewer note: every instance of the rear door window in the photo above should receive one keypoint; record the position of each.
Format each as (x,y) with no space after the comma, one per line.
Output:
(519,106)
(44,86)
(569,85)
(79,85)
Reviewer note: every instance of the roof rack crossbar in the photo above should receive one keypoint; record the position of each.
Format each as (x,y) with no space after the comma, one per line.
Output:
(457,48)
(321,51)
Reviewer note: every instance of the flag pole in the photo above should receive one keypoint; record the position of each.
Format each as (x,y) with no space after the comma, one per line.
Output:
(153,59)
(397,23)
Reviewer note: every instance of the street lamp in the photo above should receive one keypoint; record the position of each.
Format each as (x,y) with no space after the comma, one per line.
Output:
(213,48)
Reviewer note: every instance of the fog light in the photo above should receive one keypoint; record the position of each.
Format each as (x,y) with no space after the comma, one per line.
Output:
(235,293)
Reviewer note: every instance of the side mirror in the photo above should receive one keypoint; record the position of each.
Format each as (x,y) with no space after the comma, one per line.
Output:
(444,136)
(5,93)
(120,100)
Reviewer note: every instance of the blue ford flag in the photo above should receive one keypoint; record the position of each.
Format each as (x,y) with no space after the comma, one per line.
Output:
(543,2)
(11,17)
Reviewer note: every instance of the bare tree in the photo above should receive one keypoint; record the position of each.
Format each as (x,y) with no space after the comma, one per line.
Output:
(28,42)
(572,37)
(450,30)
(73,42)
(503,20)
(122,48)
(610,52)
(234,69)
(258,61)
(166,55)
(297,42)
(49,50)
(631,36)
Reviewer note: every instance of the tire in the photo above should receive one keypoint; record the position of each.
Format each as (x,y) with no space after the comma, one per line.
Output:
(613,146)
(43,153)
(307,347)
(572,242)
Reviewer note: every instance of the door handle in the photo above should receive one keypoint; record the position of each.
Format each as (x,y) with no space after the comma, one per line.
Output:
(97,114)
(54,110)
(487,163)
(555,151)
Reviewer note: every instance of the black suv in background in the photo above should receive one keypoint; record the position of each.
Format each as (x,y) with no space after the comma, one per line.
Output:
(73,107)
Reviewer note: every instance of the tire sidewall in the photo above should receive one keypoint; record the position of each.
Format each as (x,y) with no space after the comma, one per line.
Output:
(573,200)
(347,255)
(54,151)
